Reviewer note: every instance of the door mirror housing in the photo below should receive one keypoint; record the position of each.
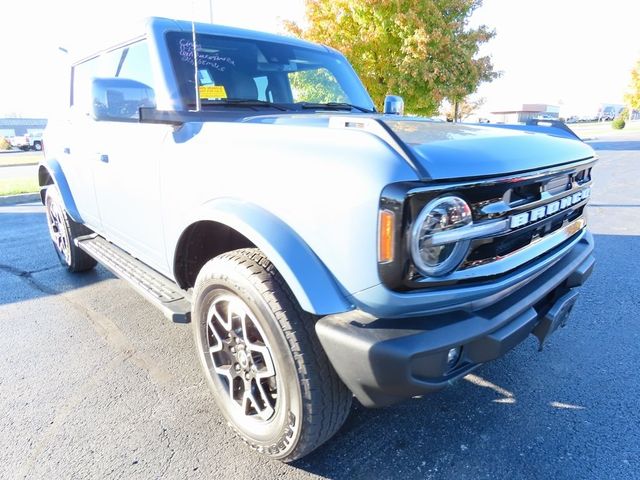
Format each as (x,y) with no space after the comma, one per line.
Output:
(393,105)
(119,99)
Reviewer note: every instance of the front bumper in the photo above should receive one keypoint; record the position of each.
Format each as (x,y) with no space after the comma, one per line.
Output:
(385,360)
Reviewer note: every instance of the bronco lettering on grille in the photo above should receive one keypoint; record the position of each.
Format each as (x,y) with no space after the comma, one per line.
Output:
(522,219)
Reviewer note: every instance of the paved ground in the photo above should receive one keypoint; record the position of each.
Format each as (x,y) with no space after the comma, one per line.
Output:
(95,383)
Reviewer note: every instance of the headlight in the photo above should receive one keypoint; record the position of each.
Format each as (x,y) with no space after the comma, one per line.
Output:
(440,215)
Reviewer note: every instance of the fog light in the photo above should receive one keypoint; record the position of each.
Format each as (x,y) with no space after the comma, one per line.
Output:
(453,355)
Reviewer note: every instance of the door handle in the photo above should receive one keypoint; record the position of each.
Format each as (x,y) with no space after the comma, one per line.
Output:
(103,158)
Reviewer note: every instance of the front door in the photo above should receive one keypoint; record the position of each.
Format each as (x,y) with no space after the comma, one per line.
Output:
(127,185)
(126,167)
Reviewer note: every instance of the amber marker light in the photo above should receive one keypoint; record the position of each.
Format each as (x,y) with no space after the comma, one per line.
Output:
(385,236)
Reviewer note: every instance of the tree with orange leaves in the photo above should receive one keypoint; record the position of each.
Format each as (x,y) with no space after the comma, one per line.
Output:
(424,51)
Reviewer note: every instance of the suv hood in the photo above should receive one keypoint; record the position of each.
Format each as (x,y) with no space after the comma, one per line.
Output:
(442,151)
(448,150)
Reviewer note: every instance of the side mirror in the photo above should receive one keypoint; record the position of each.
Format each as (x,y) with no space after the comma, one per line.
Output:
(119,99)
(393,105)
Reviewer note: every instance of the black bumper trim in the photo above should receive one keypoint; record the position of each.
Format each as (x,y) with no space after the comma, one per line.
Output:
(384,361)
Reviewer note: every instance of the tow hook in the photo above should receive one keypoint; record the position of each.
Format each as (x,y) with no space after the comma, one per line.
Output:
(556,317)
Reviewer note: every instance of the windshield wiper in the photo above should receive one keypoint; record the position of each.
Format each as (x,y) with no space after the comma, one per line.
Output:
(244,102)
(334,106)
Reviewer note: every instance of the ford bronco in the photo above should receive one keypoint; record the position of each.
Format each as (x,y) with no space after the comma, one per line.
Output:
(320,249)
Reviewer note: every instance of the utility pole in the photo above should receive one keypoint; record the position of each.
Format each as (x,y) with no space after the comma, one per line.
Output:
(210,11)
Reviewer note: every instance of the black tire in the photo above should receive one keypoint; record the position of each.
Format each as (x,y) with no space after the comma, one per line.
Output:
(63,230)
(310,402)
(37,146)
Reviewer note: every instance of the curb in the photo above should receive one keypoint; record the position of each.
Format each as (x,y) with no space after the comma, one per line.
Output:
(21,198)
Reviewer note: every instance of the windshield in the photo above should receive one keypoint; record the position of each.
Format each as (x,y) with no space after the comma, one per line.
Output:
(238,71)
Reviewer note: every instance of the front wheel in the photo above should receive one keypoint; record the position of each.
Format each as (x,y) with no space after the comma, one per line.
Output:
(262,359)
(63,231)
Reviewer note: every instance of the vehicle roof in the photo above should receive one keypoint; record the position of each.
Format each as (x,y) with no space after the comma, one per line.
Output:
(209,28)
(153,25)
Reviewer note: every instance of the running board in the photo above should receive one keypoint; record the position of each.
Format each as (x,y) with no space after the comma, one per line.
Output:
(174,302)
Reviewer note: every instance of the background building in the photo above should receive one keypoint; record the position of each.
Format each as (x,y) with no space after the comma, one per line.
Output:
(528,111)
(10,127)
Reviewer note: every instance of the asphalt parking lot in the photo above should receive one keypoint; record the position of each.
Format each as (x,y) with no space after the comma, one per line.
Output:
(94,382)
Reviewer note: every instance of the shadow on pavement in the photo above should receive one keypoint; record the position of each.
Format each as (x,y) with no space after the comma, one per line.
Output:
(29,267)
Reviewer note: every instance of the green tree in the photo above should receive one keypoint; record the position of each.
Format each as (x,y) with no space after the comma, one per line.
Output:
(317,86)
(633,96)
(423,50)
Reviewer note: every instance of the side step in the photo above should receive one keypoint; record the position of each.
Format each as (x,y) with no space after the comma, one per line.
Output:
(158,289)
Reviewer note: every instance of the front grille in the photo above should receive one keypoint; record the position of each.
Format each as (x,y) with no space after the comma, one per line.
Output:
(500,199)
(487,250)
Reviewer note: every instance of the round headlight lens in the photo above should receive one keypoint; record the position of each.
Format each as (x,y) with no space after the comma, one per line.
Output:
(441,214)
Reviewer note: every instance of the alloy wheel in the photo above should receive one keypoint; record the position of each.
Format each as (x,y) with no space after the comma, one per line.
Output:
(241,357)
(57,230)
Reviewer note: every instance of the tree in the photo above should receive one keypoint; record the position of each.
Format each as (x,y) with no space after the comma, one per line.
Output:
(316,86)
(633,96)
(422,50)
(4,143)
(463,109)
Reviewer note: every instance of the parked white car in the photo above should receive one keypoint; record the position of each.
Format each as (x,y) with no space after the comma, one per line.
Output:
(27,142)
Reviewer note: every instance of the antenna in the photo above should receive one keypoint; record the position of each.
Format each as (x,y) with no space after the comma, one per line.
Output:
(195,57)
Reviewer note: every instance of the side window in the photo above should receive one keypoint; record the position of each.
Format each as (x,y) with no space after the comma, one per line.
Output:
(134,64)
(83,73)
(130,62)
(316,86)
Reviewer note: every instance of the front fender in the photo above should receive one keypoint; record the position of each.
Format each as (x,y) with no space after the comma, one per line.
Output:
(49,172)
(316,290)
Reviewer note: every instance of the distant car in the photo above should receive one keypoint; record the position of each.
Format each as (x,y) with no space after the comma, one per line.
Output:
(27,142)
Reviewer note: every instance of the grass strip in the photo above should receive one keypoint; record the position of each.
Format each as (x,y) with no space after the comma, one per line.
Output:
(14,186)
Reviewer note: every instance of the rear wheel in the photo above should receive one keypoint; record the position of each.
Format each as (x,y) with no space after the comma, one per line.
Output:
(37,146)
(63,230)
(262,359)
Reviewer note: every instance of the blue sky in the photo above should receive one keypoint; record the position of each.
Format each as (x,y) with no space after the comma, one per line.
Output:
(575,52)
